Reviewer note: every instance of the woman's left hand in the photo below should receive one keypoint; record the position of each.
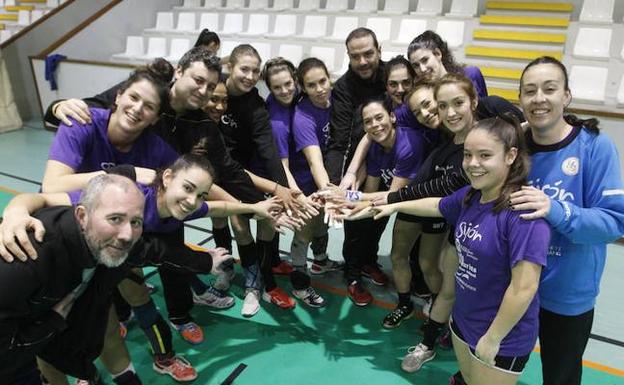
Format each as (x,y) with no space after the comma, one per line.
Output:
(268,208)
(530,198)
(487,349)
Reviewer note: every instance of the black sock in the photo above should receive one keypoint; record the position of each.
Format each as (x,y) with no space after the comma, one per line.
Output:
(223,237)
(275,253)
(405,299)
(127,378)
(432,331)
(266,265)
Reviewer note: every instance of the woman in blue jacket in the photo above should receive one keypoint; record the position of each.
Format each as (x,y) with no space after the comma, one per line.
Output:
(575,185)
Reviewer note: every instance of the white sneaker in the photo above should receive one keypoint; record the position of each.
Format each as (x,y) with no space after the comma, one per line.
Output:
(213,298)
(310,297)
(416,357)
(223,280)
(251,304)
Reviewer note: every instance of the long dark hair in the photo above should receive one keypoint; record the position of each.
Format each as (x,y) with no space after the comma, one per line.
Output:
(308,64)
(431,40)
(507,130)
(184,162)
(573,120)
(276,65)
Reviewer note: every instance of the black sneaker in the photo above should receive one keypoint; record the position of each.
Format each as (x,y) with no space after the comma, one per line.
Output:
(400,313)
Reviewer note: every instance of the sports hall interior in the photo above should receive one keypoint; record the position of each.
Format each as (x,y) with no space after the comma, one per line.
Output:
(103,40)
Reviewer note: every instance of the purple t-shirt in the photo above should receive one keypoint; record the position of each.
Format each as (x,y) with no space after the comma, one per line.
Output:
(86,147)
(310,128)
(281,120)
(489,245)
(403,160)
(152,223)
(474,74)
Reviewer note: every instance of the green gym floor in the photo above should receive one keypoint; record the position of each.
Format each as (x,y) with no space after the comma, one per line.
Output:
(341,343)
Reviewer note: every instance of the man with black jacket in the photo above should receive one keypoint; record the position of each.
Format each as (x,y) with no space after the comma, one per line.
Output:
(364,80)
(56,306)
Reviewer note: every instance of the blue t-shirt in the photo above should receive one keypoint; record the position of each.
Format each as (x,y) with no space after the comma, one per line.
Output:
(403,160)
(489,245)
(86,147)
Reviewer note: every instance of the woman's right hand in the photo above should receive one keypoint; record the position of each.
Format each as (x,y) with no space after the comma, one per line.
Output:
(382,211)
(72,108)
(349,181)
(14,241)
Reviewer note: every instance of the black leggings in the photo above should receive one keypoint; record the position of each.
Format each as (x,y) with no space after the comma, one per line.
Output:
(562,342)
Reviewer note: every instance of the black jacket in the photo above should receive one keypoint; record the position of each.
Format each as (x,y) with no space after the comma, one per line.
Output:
(190,131)
(28,291)
(246,126)
(345,126)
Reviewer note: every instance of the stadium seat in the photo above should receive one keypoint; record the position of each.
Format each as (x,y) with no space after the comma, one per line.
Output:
(592,43)
(164,22)
(382,27)
(335,6)
(620,93)
(258,4)
(191,3)
(428,7)
(283,5)
(365,6)
(232,24)
(452,31)
(178,47)
(156,47)
(36,14)
(395,7)
(285,25)
(409,29)
(314,27)
(227,46)
(209,20)
(342,26)
(264,50)
(10,3)
(233,4)
(258,25)
(134,48)
(52,3)
(308,5)
(212,4)
(5,35)
(597,11)
(23,18)
(292,52)
(588,83)
(186,22)
(327,55)
(463,8)
(387,55)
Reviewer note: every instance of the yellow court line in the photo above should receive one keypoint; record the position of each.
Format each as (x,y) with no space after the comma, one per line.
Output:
(532,37)
(525,20)
(15,8)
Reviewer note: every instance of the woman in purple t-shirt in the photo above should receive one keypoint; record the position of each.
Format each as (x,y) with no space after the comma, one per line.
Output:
(432,59)
(310,130)
(500,255)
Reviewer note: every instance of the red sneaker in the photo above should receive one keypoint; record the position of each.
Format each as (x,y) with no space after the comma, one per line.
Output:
(123,330)
(375,274)
(284,268)
(177,367)
(190,332)
(279,297)
(359,294)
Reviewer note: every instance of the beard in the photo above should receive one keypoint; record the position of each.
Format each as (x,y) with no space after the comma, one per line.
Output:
(101,254)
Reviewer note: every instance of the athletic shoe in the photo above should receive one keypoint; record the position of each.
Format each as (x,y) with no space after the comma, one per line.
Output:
(426,309)
(416,357)
(445,342)
(374,273)
(222,282)
(359,294)
(397,316)
(284,268)
(279,297)
(177,367)
(190,332)
(310,297)
(213,298)
(123,330)
(251,304)
(322,267)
